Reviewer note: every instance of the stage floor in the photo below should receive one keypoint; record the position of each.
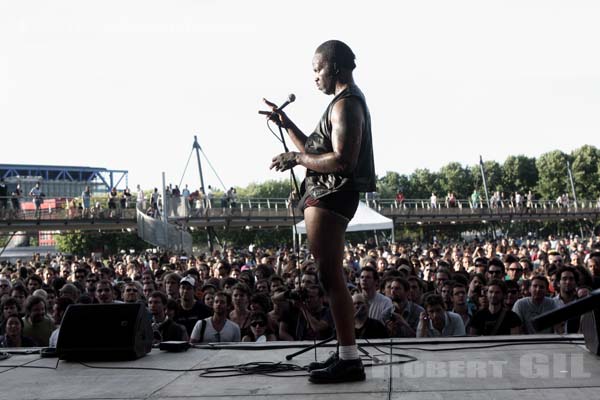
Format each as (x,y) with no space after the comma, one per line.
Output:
(538,367)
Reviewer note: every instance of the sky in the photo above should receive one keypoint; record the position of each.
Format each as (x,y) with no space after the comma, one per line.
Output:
(126,84)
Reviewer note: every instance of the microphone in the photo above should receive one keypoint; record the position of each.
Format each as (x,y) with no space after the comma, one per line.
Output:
(291,98)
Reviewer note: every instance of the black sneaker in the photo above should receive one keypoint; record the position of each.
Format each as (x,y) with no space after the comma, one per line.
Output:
(323,364)
(339,371)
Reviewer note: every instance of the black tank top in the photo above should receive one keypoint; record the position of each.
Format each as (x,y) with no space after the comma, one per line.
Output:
(362,179)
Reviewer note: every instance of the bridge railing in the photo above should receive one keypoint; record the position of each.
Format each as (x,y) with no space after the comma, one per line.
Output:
(55,208)
(243,207)
(26,208)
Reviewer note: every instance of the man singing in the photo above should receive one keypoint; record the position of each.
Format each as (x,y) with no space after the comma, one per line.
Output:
(338,157)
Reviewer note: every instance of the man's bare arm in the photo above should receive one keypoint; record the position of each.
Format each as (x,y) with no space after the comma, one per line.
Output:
(347,122)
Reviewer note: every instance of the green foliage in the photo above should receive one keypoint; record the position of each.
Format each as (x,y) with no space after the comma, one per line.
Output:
(546,176)
(423,182)
(73,243)
(586,171)
(244,237)
(493,176)
(80,243)
(552,173)
(269,189)
(388,185)
(4,240)
(519,174)
(454,178)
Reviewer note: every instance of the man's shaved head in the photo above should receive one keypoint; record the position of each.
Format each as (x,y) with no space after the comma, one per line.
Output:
(339,53)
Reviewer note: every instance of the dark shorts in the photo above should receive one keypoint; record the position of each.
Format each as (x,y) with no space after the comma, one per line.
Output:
(342,203)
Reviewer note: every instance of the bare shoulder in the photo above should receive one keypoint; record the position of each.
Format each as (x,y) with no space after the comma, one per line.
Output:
(346,110)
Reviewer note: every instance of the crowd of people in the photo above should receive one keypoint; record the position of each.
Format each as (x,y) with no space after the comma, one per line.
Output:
(112,204)
(488,287)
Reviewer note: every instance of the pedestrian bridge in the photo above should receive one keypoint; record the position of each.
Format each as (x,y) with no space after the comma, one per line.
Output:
(254,212)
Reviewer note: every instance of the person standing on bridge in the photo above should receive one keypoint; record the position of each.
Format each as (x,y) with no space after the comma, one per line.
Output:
(338,157)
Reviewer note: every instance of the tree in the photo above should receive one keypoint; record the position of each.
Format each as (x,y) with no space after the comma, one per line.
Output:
(455,178)
(552,173)
(586,172)
(423,182)
(388,185)
(269,189)
(493,176)
(84,243)
(519,174)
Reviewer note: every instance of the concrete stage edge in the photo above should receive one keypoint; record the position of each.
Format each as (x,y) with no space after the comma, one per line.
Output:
(524,367)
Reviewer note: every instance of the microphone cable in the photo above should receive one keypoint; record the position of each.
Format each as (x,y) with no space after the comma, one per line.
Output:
(294,182)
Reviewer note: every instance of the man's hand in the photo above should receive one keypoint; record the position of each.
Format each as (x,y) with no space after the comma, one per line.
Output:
(285,161)
(275,115)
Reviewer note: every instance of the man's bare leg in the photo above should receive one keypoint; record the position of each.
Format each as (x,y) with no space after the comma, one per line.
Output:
(325,232)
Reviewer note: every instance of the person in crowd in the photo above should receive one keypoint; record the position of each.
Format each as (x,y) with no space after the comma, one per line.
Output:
(365,327)
(313,318)
(217,328)
(405,316)
(71,291)
(164,327)
(10,306)
(105,293)
(240,314)
(20,294)
(538,303)
(496,319)
(190,310)
(38,198)
(416,290)
(171,282)
(283,313)
(514,268)
(380,306)
(476,286)
(459,302)
(435,321)
(34,282)
(5,289)
(86,200)
(36,324)
(13,334)
(58,312)
(567,277)
(593,265)
(132,292)
(512,294)
(260,331)
(495,269)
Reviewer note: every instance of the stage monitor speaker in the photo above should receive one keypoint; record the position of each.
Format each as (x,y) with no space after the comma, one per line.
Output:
(589,307)
(107,332)
(590,326)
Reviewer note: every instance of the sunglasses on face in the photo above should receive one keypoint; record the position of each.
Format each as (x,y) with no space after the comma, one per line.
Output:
(258,323)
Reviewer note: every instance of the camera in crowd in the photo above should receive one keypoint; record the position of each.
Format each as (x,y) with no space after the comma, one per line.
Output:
(297,295)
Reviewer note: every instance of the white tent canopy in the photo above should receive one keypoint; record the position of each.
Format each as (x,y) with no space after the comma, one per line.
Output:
(365,219)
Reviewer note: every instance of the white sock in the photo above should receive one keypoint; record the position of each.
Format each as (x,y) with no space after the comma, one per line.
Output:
(349,352)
